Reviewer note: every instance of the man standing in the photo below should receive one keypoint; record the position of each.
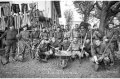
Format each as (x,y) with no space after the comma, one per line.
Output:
(109,34)
(24,42)
(10,44)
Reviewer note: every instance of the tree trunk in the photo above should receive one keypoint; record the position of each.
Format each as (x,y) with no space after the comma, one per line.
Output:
(85,17)
(103,17)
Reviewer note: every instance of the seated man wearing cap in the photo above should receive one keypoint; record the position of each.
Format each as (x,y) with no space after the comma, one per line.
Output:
(75,48)
(98,50)
(43,47)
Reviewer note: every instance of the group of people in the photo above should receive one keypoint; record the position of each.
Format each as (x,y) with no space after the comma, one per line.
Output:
(80,42)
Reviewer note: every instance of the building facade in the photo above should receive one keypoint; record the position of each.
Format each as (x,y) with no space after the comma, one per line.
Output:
(51,9)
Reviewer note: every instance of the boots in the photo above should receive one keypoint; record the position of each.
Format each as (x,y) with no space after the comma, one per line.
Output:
(5,60)
(45,60)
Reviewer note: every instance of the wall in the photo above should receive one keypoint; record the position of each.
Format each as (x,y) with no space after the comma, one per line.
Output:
(54,14)
(45,6)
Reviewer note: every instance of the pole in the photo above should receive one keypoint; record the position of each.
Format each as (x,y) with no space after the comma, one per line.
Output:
(18,39)
(91,42)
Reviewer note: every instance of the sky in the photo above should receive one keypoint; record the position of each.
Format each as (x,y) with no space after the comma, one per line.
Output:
(68,4)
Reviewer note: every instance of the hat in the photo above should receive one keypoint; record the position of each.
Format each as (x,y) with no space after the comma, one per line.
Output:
(85,25)
(58,27)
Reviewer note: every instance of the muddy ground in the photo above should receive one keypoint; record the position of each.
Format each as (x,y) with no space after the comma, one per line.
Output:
(34,69)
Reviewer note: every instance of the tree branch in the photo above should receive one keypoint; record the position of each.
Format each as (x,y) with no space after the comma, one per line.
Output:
(111,3)
(118,5)
(92,6)
(81,7)
(98,6)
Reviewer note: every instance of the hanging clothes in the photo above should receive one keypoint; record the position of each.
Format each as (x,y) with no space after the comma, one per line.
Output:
(6,9)
(11,21)
(15,8)
(17,20)
(24,8)
(32,18)
(2,24)
(2,11)
(36,14)
(32,5)
(5,19)
(26,20)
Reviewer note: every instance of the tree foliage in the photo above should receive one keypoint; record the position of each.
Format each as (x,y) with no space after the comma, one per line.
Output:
(107,11)
(104,10)
(84,7)
(69,17)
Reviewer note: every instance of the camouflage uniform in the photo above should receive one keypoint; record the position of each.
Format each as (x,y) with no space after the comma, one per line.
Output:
(109,34)
(99,50)
(43,47)
(59,36)
(88,44)
(75,48)
(36,39)
(24,43)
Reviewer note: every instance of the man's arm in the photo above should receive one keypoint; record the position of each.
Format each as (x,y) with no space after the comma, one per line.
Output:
(102,48)
(4,34)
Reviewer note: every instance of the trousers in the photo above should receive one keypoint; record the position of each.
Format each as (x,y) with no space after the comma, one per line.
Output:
(10,44)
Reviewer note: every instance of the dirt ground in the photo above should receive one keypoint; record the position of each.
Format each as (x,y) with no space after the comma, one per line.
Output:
(34,69)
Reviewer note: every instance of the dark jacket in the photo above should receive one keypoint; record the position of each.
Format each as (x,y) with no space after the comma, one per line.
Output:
(9,34)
